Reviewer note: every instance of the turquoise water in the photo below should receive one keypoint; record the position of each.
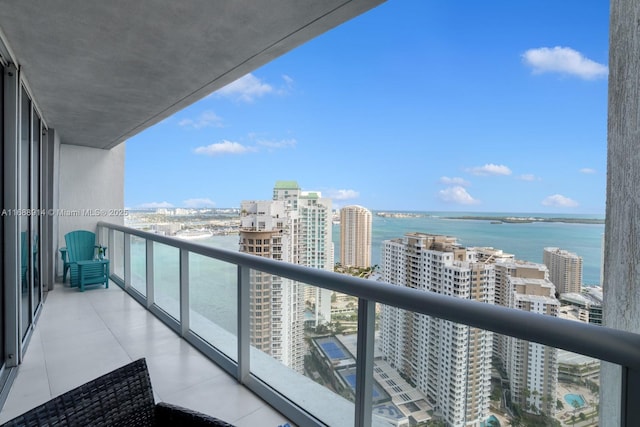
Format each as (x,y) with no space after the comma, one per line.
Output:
(571,398)
(525,241)
(488,422)
(213,283)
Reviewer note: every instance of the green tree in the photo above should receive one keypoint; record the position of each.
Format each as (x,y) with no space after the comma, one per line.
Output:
(517,422)
(559,405)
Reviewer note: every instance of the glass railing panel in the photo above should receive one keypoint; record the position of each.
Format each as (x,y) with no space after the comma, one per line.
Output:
(166,278)
(308,358)
(117,254)
(437,371)
(213,302)
(139,264)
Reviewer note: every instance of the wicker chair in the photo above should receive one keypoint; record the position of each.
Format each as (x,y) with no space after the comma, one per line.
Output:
(120,398)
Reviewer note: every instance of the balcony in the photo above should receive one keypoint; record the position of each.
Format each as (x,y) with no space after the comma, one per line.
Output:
(200,361)
(80,336)
(63,124)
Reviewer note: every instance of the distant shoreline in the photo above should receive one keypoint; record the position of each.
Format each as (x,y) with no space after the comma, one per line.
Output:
(528,220)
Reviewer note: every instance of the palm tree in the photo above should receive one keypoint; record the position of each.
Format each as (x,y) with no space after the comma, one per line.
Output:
(575,405)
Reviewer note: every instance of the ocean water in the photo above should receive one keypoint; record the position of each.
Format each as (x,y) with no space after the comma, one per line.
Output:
(526,241)
(213,283)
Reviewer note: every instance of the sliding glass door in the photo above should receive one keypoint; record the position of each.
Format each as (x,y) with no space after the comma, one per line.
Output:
(29,217)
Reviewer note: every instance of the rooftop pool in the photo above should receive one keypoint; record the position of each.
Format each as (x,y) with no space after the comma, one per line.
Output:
(574,400)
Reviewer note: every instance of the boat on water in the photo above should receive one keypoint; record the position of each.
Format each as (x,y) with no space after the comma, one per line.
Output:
(193,234)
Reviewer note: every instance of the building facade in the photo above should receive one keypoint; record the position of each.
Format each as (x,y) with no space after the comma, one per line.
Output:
(316,250)
(355,236)
(565,269)
(294,227)
(269,229)
(449,362)
(587,304)
(532,368)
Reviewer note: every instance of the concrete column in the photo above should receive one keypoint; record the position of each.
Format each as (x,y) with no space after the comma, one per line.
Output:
(622,229)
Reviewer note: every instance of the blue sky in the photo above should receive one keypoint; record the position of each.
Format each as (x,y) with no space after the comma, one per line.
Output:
(495,106)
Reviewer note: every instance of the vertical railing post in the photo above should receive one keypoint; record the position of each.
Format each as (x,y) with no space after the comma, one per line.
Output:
(243,324)
(184,291)
(630,411)
(127,260)
(364,362)
(149,273)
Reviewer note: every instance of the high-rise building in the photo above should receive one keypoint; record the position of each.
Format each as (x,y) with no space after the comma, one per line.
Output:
(269,229)
(532,368)
(588,304)
(294,227)
(315,249)
(565,269)
(449,362)
(355,236)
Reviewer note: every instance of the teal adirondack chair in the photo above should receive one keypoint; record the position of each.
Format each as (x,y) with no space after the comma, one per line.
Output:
(80,253)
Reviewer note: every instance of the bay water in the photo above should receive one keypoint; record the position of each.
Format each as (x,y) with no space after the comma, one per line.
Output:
(525,240)
(213,283)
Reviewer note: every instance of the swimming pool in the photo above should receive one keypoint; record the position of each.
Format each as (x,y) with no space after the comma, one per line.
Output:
(577,398)
(489,423)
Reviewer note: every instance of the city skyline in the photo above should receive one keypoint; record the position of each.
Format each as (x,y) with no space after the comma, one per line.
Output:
(480,107)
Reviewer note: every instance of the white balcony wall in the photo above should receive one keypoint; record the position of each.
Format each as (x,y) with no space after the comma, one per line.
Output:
(91,189)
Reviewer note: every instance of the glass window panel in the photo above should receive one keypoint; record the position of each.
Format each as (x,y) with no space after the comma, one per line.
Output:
(309,359)
(166,278)
(139,264)
(35,205)
(213,302)
(117,254)
(23,203)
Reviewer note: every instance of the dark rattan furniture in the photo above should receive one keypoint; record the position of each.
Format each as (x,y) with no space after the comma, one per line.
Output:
(120,398)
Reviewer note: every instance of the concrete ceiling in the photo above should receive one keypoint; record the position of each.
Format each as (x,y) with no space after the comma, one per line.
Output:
(102,71)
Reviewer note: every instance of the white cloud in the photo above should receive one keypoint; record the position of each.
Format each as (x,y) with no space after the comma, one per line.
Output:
(246,88)
(587,170)
(199,203)
(288,81)
(490,169)
(457,195)
(453,181)
(529,177)
(283,143)
(206,119)
(559,201)
(224,147)
(155,205)
(563,60)
(343,194)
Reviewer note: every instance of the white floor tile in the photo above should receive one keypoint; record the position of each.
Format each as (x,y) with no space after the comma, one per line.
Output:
(82,335)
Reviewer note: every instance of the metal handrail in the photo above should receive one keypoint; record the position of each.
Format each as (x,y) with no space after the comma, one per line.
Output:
(619,347)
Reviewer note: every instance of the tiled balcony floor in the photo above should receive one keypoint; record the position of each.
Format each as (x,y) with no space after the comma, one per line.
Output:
(81,335)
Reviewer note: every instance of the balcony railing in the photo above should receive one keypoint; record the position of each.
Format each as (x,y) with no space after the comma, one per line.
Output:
(229,346)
